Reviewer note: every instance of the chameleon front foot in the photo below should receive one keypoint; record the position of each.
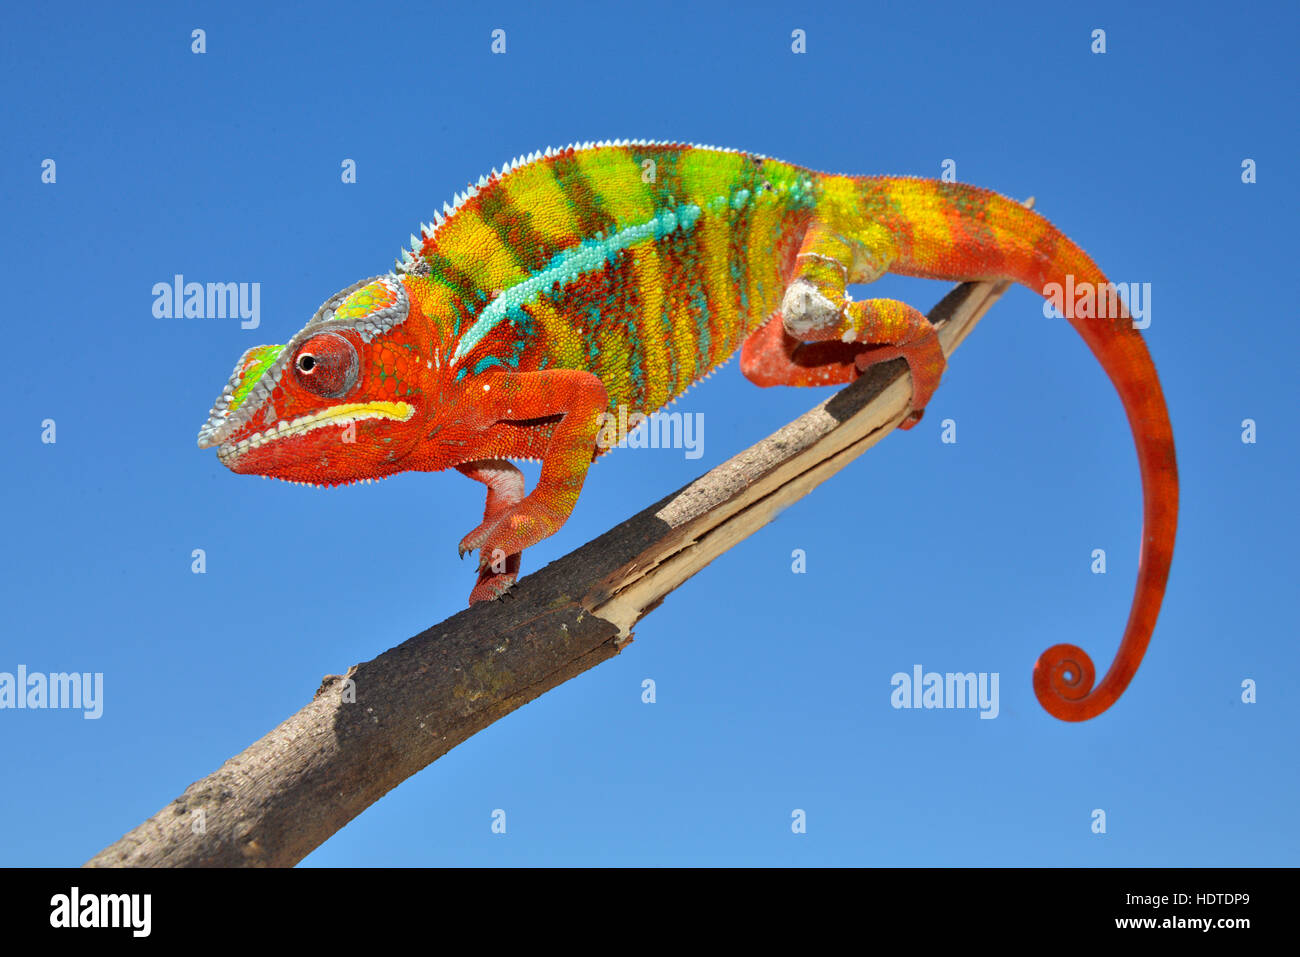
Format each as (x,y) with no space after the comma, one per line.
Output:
(493,584)
(501,539)
(497,569)
(515,529)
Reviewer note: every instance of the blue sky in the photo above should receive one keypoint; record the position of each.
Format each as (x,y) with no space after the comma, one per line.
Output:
(773,689)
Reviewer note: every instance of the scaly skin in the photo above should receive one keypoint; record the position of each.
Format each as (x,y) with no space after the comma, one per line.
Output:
(581,280)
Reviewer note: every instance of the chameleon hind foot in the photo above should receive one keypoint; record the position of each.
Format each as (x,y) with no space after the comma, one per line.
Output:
(889,329)
(816,308)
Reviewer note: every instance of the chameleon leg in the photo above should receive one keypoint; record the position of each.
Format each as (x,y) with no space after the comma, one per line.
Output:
(578,398)
(816,308)
(505,489)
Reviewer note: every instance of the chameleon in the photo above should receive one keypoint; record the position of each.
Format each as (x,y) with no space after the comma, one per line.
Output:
(575,282)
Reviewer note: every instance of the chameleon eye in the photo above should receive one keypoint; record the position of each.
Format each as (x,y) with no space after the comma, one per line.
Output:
(326,365)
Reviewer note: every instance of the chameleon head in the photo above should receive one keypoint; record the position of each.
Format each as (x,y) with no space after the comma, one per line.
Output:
(330,406)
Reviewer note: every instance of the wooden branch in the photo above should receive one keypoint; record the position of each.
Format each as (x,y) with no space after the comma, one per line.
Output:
(366,732)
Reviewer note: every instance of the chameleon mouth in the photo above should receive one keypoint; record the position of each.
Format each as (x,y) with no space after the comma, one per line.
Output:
(341,415)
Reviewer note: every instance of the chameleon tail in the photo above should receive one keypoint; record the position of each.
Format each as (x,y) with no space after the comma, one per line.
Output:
(987,236)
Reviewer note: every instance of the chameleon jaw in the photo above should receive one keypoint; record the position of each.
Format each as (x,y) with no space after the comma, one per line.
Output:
(341,415)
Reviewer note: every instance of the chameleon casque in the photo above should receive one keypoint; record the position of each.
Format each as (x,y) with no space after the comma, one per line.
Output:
(576,281)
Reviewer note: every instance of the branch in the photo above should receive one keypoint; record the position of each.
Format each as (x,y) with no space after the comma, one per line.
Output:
(366,732)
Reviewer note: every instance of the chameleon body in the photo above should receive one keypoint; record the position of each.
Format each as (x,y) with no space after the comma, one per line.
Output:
(578,281)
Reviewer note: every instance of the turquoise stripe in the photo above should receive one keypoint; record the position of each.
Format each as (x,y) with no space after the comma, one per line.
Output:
(588,256)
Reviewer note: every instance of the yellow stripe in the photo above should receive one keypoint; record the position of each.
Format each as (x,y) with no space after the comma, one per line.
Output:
(535,189)
(476,249)
(613,366)
(714,240)
(615,175)
(689,363)
(760,248)
(401,411)
(649,280)
(707,177)
(565,344)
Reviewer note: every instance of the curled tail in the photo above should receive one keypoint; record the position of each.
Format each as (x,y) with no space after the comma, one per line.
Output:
(964,233)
